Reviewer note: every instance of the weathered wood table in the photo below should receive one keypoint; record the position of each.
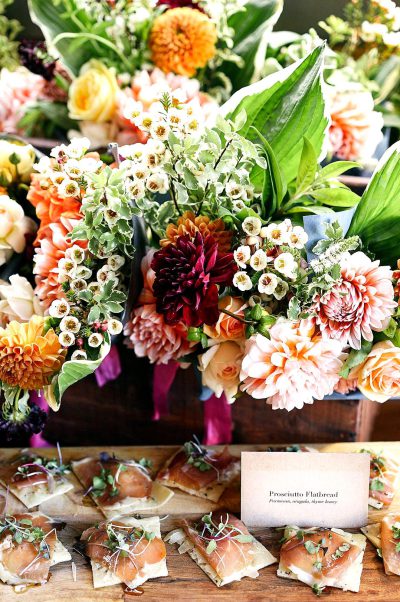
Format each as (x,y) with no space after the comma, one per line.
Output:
(186,581)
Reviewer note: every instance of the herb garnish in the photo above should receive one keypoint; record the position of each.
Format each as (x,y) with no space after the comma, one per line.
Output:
(396,535)
(317,589)
(197,455)
(211,532)
(23,530)
(122,541)
(106,478)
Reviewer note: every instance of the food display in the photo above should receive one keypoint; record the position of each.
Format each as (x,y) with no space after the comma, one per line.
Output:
(322,557)
(383,478)
(385,536)
(34,479)
(222,546)
(120,487)
(199,471)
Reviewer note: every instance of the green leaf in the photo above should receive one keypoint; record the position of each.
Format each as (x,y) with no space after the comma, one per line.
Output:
(211,546)
(335,169)
(70,373)
(377,217)
(355,358)
(336,197)
(250,40)
(273,180)
(377,485)
(285,107)
(307,168)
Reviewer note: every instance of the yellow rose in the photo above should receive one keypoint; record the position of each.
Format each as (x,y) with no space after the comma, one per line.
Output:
(16,161)
(379,377)
(93,95)
(220,367)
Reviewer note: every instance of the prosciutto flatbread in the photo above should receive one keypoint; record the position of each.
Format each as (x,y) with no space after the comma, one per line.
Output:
(322,557)
(128,551)
(386,537)
(199,471)
(120,487)
(34,479)
(222,547)
(382,482)
(29,547)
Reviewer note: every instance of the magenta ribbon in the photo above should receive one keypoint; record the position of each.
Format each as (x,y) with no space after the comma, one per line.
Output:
(163,377)
(217,420)
(110,368)
(36,440)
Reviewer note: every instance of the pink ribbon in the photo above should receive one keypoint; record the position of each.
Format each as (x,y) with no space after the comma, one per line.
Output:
(163,377)
(110,367)
(217,420)
(36,440)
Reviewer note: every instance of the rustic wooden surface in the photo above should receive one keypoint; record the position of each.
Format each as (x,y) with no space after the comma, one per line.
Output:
(185,580)
(122,411)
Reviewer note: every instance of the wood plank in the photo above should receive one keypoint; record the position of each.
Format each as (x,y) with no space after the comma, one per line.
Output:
(186,581)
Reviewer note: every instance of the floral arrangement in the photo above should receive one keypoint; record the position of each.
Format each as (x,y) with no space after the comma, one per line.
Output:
(264,270)
(113,59)
(363,73)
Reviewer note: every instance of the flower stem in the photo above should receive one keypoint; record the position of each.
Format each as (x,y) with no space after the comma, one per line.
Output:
(239,318)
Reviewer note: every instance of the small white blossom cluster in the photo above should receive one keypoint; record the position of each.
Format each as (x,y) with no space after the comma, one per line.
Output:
(271,252)
(332,256)
(68,168)
(143,165)
(73,328)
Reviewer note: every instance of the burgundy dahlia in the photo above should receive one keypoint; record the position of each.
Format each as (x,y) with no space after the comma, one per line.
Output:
(187,275)
(179,4)
(35,57)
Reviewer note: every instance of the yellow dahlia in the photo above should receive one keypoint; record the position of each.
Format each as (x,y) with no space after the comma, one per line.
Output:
(188,223)
(29,357)
(182,40)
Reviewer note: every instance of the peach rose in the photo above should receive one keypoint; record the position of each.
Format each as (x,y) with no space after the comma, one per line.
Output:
(228,328)
(379,377)
(14,225)
(220,367)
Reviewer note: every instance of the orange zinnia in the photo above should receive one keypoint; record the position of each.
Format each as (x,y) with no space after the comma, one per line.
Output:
(50,207)
(29,356)
(189,223)
(182,40)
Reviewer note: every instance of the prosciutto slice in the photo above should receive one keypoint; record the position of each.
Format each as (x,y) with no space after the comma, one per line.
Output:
(183,473)
(226,555)
(25,560)
(131,557)
(318,557)
(33,475)
(383,475)
(390,543)
(130,481)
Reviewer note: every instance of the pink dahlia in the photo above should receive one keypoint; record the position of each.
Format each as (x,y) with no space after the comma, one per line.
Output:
(293,367)
(187,277)
(18,90)
(149,336)
(360,303)
(346,385)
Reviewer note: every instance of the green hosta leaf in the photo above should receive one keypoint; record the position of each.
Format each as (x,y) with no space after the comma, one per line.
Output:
(70,373)
(307,168)
(335,169)
(275,187)
(250,40)
(377,217)
(336,197)
(285,107)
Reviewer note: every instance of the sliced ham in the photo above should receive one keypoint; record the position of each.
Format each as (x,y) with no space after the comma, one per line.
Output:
(126,565)
(229,556)
(333,557)
(131,481)
(23,559)
(384,471)
(35,474)
(390,527)
(189,476)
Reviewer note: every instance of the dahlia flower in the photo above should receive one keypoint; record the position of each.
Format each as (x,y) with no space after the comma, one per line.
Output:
(356,129)
(29,356)
(146,295)
(18,90)
(189,223)
(46,259)
(220,368)
(293,367)
(149,336)
(360,303)
(187,277)
(182,40)
(346,385)
(378,378)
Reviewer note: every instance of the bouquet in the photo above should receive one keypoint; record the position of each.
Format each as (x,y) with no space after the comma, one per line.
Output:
(265,271)
(104,64)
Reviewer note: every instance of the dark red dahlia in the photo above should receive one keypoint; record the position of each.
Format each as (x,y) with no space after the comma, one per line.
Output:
(187,277)
(35,57)
(179,4)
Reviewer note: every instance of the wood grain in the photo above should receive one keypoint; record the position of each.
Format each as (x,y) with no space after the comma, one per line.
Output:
(186,581)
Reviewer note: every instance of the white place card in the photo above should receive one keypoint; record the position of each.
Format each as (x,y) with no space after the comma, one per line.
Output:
(305,489)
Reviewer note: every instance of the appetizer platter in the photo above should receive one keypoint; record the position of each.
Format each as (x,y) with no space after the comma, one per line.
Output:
(173,549)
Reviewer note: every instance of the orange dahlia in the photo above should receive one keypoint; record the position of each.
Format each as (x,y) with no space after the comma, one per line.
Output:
(188,223)
(50,207)
(29,356)
(182,40)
